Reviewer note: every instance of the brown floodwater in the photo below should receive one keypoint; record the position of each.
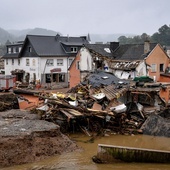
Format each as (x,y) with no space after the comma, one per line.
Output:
(82,160)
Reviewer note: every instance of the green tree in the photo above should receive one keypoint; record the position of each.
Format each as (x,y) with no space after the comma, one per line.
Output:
(162,36)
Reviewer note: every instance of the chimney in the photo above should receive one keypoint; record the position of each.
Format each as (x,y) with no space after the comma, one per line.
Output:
(57,36)
(146,46)
(114,45)
(67,38)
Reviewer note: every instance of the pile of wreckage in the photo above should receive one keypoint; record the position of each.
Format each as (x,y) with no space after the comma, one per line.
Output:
(102,103)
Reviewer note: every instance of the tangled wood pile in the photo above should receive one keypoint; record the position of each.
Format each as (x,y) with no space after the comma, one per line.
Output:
(95,110)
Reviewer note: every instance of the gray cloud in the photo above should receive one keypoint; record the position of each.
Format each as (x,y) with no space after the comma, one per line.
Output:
(77,17)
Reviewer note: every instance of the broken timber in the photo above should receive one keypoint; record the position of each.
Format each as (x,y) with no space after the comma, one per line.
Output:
(112,153)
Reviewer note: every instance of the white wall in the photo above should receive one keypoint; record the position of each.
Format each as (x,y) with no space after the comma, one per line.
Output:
(38,66)
(85,60)
(141,69)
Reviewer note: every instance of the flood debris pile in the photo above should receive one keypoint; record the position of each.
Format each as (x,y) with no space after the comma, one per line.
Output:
(102,104)
(24,138)
(8,101)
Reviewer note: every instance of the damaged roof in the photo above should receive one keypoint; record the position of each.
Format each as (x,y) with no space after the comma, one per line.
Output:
(124,65)
(101,78)
(99,49)
(113,92)
(132,51)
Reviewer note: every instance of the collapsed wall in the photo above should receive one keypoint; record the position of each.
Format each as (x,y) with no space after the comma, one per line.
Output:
(24,138)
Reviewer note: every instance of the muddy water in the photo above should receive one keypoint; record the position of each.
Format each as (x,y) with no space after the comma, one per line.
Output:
(82,160)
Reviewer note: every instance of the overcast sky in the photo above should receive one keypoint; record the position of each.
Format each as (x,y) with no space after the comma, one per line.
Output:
(76,17)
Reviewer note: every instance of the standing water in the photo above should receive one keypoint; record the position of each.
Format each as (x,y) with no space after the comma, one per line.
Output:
(82,160)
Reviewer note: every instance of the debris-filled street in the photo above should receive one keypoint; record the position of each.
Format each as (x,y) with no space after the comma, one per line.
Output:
(94,107)
(101,105)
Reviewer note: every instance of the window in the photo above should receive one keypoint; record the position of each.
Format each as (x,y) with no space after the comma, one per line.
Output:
(29,49)
(14,50)
(61,78)
(6,61)
(18,61)
(27,62)
(59,62)
(50,62)
(153,67)
(161,69)
(9,50)
(33,62)
(70,61)
(73,49)
(78,65)
(12,61)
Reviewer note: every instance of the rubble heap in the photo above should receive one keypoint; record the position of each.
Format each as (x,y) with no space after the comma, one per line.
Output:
(119,108)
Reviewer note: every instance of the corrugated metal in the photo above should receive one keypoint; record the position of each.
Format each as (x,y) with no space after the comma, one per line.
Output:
(113,92)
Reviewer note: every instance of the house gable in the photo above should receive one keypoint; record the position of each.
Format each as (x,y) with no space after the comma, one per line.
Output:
(54,45)
(159,59)
(28,50)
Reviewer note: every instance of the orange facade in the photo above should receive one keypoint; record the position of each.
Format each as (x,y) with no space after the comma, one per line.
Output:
(74,72)
(160,60)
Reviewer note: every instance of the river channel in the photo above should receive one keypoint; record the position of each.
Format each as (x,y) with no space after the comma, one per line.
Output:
(82,160)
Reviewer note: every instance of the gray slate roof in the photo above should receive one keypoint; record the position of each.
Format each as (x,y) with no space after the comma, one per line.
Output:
(131,51)
(54,45)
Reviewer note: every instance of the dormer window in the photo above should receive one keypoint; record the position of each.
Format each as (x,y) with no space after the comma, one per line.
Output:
(14,50)
(73,49)
(9,50)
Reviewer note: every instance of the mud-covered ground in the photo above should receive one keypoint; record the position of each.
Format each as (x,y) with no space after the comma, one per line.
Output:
(24,138)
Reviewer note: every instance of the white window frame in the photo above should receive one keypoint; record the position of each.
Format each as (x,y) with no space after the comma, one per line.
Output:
(27,62)
(14,49)
(12,61)
(153,68)
(50,62)
(9,50)
(70,60)
(74,49)
(59,62)
(33,62)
